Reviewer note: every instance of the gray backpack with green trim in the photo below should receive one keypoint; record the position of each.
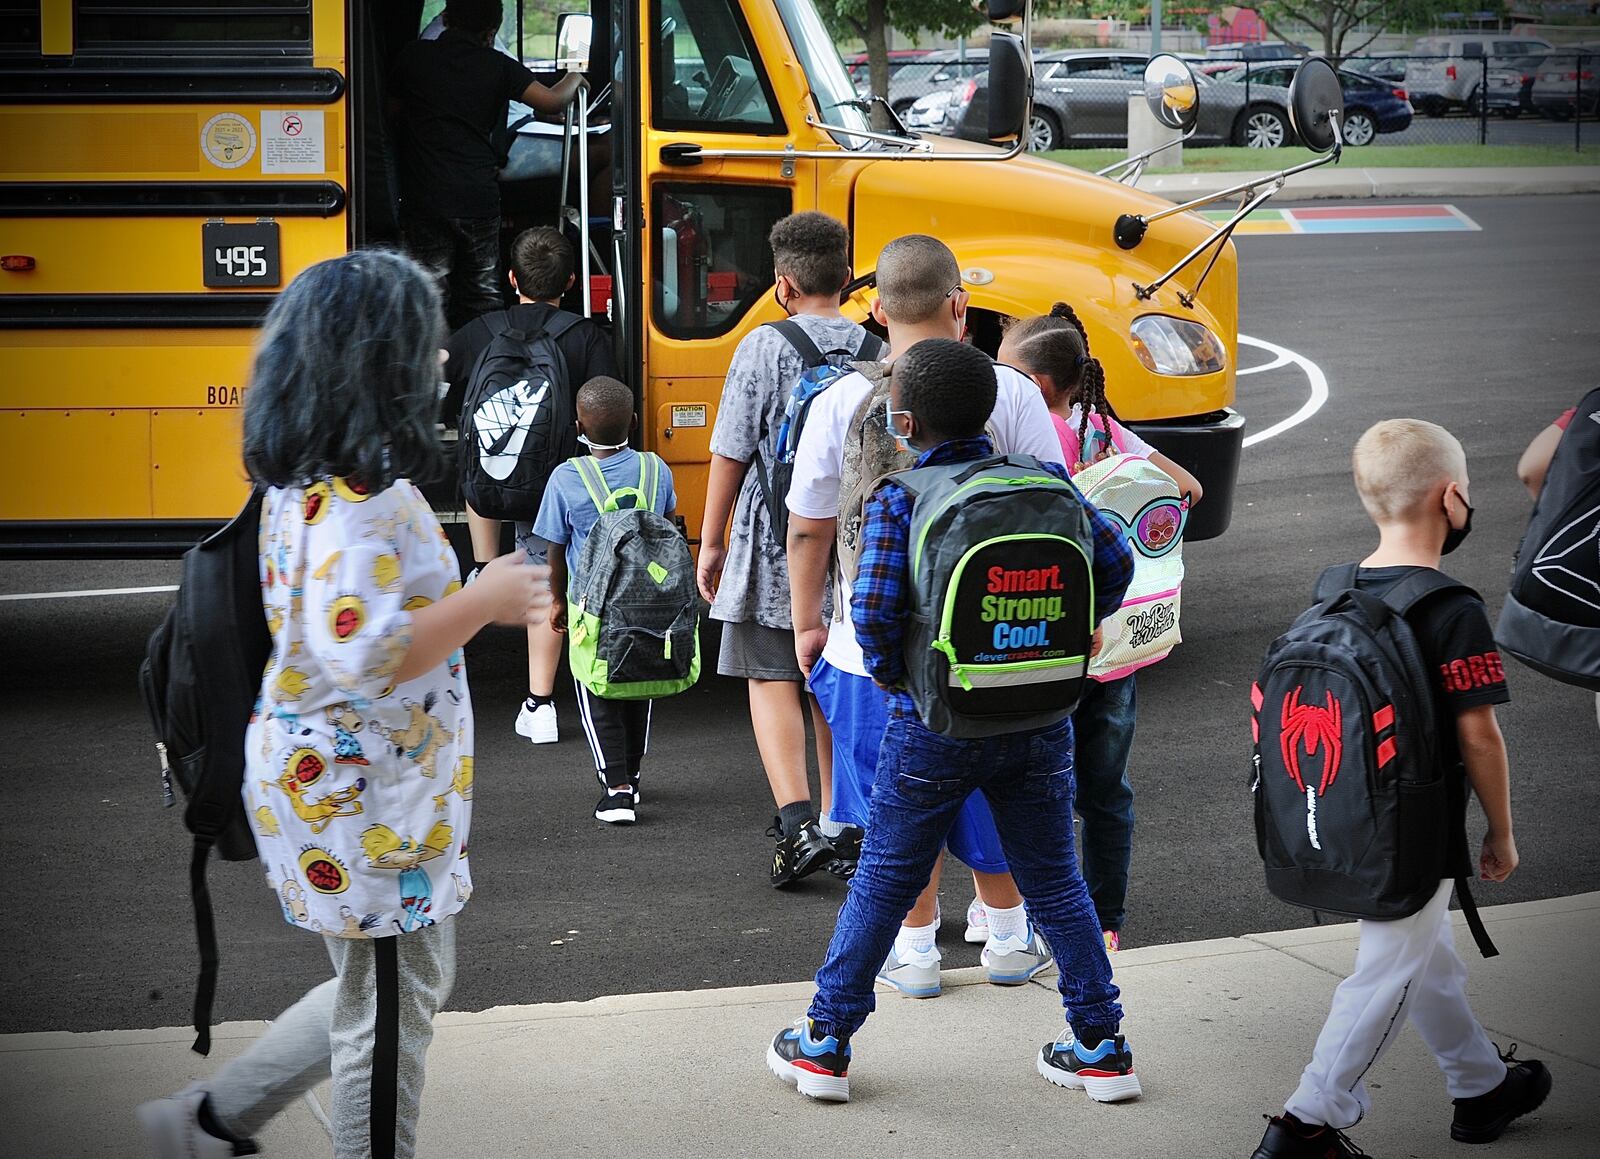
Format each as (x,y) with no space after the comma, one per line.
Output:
(1002,582)
(633,624)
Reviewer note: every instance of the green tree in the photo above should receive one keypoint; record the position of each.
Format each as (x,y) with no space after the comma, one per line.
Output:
(1347,27)
(871,20)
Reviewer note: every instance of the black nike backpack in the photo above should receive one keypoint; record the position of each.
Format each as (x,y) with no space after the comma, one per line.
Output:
(518,418)
(201,679)
(1352,798)
(820,369)
(1551,618)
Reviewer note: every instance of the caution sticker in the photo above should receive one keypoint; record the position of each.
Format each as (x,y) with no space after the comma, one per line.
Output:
(228,140)
(689,415)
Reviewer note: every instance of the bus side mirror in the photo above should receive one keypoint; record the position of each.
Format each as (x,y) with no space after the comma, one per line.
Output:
(574,34)
(1010,80)
(1005,11)
(1316,105)
(1171,92)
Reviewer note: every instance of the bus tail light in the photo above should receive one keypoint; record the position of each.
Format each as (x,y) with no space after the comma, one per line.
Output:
(17,263)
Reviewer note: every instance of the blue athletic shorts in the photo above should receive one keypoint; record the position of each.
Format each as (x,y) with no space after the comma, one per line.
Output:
(857,711)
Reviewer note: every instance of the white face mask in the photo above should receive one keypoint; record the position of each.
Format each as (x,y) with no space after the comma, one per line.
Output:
(584,439)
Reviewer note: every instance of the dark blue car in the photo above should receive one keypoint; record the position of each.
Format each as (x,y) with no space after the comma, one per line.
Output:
(1372,105)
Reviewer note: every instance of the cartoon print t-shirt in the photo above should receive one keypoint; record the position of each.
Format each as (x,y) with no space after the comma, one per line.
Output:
(359,791)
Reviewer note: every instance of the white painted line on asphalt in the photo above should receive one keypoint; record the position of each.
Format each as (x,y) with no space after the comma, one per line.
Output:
(90,592)
(1319,388)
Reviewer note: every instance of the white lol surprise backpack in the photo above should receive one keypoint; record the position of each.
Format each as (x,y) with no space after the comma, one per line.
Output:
(1144,502)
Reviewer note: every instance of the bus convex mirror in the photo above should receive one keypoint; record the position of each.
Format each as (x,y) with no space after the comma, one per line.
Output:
(1316,104)
(574,34)
(1005,11)
(1008,87)
(1171,92)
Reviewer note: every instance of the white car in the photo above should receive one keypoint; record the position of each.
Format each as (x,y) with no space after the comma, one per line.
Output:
(1447,72)
(927,113)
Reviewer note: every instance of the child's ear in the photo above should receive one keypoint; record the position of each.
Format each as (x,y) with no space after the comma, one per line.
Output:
(572,280)
(633,424)
(878,315)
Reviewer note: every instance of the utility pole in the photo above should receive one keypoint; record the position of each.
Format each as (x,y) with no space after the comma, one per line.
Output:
(1155,26)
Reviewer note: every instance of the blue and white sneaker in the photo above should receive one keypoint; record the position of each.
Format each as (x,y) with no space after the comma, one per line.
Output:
(819,1068)
(1104,1073)
(1011,961)
(914,975)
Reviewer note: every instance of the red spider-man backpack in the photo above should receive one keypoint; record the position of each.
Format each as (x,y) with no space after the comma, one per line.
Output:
(1352,799)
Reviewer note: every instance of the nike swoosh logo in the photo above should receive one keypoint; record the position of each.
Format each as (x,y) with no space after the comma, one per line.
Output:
(500,466)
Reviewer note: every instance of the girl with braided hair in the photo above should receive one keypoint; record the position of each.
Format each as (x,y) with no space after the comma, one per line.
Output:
(1053,350)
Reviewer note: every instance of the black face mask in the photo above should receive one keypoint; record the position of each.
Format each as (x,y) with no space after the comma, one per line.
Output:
(782,305)
(1455,536)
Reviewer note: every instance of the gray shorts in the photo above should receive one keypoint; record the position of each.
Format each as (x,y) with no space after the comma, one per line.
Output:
(757,652)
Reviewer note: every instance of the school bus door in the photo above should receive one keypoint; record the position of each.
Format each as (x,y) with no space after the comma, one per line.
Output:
(708,270)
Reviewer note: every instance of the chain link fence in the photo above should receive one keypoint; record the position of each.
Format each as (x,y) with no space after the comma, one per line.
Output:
(1451,97)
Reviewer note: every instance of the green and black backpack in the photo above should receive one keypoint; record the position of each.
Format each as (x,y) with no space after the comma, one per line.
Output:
(1002,580)
(633,625)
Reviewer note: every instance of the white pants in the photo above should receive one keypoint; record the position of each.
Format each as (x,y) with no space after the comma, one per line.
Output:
(1404,969)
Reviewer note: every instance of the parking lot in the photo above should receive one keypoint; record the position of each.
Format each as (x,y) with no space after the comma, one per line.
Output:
(1488,331)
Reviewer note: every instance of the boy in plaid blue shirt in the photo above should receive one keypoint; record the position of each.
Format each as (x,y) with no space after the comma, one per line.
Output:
(942,394)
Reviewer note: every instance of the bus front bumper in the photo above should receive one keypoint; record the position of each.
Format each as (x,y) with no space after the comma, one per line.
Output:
(1209,446)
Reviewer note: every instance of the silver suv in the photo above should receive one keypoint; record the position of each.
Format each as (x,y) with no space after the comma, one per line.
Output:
(1446,72)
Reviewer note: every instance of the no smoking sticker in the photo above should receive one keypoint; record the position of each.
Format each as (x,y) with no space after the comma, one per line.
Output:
(292,141)
(228,140)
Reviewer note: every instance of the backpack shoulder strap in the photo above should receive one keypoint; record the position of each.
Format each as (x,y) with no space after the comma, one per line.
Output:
(1335,579)
(560,322)
(872,348)
(1419,587)
(795,335)
(649,477)
(594,480)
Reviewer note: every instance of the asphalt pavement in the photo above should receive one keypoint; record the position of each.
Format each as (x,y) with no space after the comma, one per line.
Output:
(1490,333)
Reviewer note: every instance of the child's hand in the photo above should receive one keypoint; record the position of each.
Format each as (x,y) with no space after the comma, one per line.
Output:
(1499,856)
(558,614)
(514,591)
(708,569)
(808,645)
(1097,642)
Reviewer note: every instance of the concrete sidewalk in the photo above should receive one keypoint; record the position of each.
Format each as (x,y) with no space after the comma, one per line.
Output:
(1220,1029)
(1344,180)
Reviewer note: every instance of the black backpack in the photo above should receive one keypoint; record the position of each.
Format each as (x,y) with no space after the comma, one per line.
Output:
(820,370)
(1353,803)
(1551,618)
(201,679)
(518,419)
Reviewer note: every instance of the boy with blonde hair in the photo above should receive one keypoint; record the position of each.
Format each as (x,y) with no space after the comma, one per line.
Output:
(1412,479)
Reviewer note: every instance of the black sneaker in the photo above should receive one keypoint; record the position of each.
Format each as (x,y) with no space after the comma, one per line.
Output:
(848,847)
(802,852)
(616,808)
(1483,1118)
(1104,1073)
(1289,1138)
(820,1068)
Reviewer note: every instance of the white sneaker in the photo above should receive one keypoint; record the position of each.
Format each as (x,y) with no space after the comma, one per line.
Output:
(538,724)
(173,1127)
(914,975)
(977,923)
(1011,961)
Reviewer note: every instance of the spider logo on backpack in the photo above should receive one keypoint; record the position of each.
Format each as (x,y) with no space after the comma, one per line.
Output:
(1308,727)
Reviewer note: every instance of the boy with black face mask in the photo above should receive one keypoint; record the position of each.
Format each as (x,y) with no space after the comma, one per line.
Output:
(1412,479)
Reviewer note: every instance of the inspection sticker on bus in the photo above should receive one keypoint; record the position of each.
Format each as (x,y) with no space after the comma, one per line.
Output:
(292,141)
(229,140)
(689,415)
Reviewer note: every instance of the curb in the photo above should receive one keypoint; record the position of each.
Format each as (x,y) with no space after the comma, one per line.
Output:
(1350,184)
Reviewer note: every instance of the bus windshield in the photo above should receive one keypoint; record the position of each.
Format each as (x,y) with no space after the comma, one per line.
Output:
(837,100)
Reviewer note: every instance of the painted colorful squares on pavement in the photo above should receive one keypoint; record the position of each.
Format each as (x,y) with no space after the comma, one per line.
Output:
(1360,218)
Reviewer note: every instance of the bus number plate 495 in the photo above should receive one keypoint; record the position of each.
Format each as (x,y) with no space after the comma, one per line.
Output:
(240,254)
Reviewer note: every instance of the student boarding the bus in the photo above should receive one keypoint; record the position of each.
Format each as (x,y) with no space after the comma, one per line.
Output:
(450,96)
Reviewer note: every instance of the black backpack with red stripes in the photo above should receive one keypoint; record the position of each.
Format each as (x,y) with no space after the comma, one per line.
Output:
(1352,796)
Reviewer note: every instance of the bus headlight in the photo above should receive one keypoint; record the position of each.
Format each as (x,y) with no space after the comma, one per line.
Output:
(1176,346)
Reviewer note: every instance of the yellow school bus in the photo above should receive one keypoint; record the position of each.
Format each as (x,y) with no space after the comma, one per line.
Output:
(166,169)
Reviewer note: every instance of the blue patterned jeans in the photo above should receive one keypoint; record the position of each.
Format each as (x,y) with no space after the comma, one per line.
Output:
(922,779)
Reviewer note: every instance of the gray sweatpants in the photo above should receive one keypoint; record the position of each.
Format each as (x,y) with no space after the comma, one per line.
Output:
(331,1032)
